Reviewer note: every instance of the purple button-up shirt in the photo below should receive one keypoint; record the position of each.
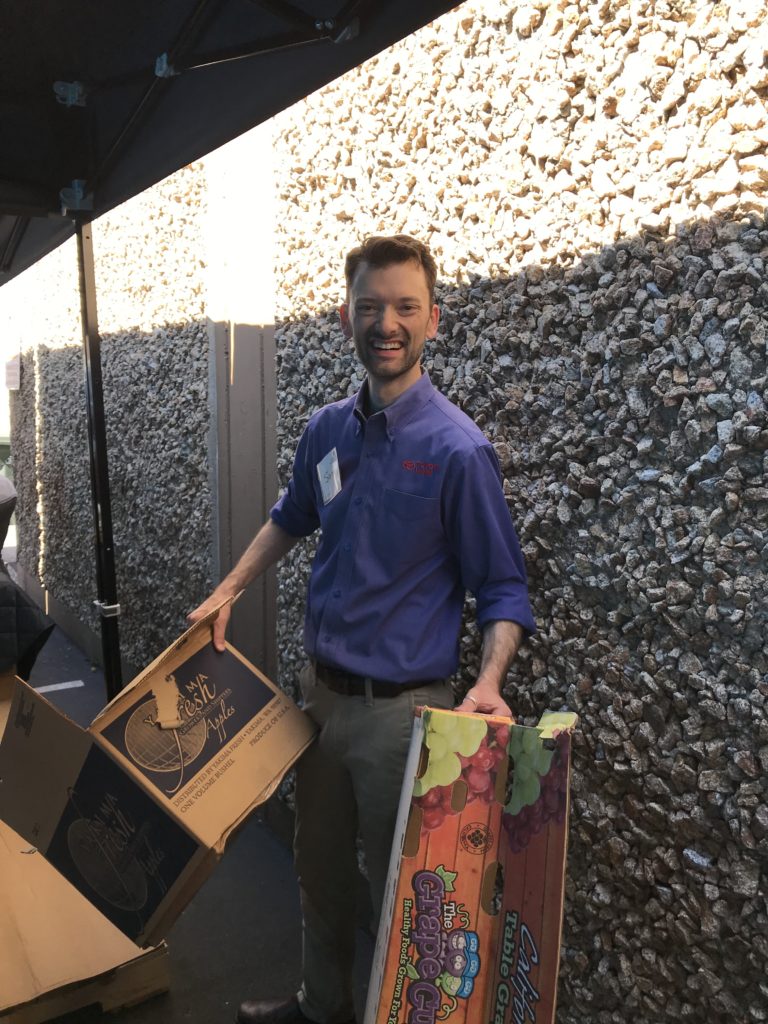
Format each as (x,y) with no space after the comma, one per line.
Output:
(419,520)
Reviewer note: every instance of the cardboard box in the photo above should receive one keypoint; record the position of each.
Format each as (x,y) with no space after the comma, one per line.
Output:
(59,954)
(471,923)
(133,814)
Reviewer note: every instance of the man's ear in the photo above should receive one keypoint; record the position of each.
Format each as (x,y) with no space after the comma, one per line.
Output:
(346,326)
(434,320)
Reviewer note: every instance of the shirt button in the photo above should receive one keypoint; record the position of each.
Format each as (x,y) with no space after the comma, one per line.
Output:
(337,593)
(348,546)
(358,501)
(327,638)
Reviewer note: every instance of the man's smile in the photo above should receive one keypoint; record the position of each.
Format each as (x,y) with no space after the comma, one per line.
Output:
(386,346)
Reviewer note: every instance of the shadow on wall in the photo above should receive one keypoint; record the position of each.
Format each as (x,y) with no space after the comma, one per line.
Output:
(626,398)
(157,416)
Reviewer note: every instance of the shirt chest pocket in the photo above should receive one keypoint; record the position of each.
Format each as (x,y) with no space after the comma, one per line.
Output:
(410,529)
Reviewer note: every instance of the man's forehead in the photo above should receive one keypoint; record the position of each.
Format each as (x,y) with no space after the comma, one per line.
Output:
(408,273)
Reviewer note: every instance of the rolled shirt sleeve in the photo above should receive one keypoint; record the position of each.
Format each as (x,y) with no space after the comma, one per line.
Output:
(296,509)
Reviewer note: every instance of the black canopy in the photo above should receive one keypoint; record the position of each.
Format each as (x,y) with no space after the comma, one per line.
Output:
(100,99)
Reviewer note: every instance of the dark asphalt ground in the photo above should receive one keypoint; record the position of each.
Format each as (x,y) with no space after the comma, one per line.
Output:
(240,937)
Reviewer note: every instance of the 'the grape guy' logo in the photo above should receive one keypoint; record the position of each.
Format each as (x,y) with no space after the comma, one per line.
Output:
(446,959)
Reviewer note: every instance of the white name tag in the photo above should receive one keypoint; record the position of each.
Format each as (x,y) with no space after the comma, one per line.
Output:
(329,476)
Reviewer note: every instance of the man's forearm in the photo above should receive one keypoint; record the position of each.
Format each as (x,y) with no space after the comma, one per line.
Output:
(267,547)
(501,640)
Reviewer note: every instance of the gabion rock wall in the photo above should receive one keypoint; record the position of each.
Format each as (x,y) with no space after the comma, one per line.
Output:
(149,281)
(592,180)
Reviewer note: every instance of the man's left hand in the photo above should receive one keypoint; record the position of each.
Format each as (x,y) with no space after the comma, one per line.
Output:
(485,699)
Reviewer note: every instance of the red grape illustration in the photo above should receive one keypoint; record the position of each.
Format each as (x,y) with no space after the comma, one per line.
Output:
(460,747)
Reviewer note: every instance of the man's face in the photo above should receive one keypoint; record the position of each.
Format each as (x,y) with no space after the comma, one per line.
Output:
(388,314)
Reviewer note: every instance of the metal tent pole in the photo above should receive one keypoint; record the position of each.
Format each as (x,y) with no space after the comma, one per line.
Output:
(106,581)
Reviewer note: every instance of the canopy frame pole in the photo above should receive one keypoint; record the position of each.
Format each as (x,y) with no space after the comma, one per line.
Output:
(188,36)
(15,237)
(106,580)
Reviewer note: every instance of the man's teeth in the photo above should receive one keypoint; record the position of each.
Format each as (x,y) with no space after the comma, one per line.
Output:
(386,345)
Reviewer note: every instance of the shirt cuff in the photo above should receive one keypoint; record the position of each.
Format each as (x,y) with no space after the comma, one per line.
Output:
(292,521)
(506,607)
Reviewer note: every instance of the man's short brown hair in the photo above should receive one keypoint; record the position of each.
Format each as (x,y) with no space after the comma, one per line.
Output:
(384,250)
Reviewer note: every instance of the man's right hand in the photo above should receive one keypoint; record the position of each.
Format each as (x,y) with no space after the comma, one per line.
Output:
(219,623)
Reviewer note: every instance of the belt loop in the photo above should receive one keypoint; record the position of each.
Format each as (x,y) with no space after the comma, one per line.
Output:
(368,692)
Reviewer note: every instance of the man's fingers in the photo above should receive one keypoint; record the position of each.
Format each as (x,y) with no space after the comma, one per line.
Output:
(219,625)
(493,704)
(220,629)
(198,613)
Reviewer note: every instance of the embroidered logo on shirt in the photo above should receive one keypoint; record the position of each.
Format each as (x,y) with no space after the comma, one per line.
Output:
(423,468)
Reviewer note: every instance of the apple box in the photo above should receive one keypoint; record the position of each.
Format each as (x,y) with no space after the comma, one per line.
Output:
(135,810)
(59,953)
(472,917)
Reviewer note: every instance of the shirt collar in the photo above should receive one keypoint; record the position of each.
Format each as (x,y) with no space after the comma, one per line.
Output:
(403,408)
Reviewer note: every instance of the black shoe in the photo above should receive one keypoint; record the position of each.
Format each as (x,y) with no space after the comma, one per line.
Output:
(275,1012)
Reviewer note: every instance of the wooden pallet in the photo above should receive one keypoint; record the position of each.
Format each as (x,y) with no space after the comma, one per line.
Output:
(126,985)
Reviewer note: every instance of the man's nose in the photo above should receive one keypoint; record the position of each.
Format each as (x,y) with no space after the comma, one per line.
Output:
(387,321)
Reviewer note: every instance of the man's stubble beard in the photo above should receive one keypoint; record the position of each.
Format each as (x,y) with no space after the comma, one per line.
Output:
(414,356)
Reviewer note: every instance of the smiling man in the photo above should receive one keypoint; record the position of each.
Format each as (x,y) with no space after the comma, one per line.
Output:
(407,494)
(389,314)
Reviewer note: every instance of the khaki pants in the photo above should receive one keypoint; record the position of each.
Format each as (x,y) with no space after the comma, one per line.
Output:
(348,782)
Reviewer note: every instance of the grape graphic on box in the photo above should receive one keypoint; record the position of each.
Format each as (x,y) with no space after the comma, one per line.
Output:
(479,859)
(539,790)
(466,750)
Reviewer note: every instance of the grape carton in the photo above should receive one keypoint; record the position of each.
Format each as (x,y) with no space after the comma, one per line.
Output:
(471,923)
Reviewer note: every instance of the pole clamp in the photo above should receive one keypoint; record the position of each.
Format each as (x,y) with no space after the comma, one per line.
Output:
(164,68)
(70,94)
(75,197)
(107,611)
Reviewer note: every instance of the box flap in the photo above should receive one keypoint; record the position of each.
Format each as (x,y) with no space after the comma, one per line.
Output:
(118,846)
(237,735)
(35,786)
(91,820)
(553,722)
(50,935)
(194,638)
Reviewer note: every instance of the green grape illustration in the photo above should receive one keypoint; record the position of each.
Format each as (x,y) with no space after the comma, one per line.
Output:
(539,786)
(448,735)
(531,761)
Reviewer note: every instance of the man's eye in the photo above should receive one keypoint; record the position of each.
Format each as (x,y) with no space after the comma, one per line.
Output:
(364,307)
